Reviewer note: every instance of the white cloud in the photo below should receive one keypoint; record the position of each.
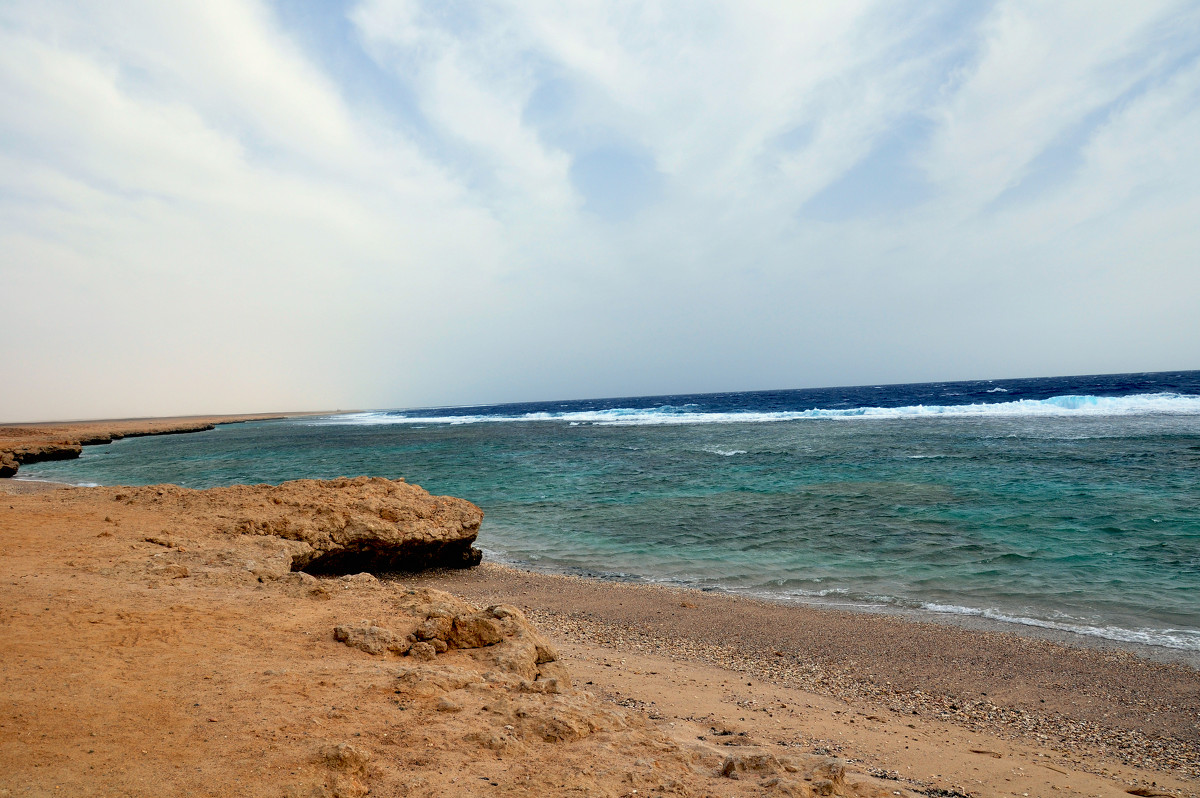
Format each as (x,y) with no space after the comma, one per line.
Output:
(1042,69)
(196,216)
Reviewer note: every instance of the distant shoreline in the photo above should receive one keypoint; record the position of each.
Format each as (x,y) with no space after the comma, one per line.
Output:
(44,441)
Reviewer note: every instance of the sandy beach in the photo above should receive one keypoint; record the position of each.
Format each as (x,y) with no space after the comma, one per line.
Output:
(1072,705)
(146,652)
(151,645)
(715,400)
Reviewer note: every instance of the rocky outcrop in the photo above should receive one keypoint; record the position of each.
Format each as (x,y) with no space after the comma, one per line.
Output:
(12,458)
(45,452)
(337,526)
(38,443)
(431,622)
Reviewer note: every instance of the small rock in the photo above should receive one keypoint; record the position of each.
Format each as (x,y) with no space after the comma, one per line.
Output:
(346,757)
(435,628)
(371,639)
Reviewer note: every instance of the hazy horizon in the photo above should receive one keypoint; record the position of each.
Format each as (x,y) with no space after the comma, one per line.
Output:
(244,206)
(574,399)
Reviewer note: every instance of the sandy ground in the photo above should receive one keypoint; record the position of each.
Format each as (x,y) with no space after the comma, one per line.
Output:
(195,665)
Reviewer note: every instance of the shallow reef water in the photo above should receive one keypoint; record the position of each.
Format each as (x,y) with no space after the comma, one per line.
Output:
(1067,503)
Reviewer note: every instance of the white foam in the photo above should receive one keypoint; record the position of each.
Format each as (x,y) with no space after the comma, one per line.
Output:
(1183,639)
(725,452)
(1057,406)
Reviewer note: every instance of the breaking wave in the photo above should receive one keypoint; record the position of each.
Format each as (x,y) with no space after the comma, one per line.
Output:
(1182,639)
(1056,406)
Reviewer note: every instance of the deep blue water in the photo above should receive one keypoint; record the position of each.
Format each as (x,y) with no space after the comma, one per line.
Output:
(1071,503)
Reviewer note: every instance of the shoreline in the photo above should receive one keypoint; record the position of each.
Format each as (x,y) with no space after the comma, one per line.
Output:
(122,606)
(1154,653)
(976,623)
(1122,637)
(43,441)
(1035,688)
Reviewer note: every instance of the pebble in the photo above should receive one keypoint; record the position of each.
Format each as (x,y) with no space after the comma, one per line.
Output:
(1075,739)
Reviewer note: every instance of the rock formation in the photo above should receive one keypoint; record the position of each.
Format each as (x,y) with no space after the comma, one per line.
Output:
(35,443)
(197,661)
(338,526)
(432,622)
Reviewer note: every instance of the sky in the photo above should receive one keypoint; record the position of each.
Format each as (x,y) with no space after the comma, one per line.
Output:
(221,206)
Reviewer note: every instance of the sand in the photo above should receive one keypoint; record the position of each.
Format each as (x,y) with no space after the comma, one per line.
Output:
(138,668)
(1081,708)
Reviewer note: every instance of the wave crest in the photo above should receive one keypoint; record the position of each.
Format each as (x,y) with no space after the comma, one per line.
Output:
(1070,405)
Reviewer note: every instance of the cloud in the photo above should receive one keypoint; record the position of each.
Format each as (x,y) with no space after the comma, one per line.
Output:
(203,209)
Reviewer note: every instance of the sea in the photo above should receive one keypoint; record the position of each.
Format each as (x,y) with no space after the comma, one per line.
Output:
(1066,504)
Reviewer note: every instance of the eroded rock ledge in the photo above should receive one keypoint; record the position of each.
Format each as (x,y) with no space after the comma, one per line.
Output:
(337,526)
(21,444)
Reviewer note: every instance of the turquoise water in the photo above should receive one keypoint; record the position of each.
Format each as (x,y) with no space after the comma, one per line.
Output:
(1085,522)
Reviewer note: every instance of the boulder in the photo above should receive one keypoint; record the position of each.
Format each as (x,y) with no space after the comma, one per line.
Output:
(474,631)
(372,639)
(369,524)
(339,526)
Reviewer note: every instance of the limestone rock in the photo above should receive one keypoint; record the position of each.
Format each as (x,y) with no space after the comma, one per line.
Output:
(474,631)
(434,680)
(368,524)
(337,526)
(372,639)
(762,763)
(11,458)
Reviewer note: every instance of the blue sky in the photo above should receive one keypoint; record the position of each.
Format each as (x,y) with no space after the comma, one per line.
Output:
(231,205)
